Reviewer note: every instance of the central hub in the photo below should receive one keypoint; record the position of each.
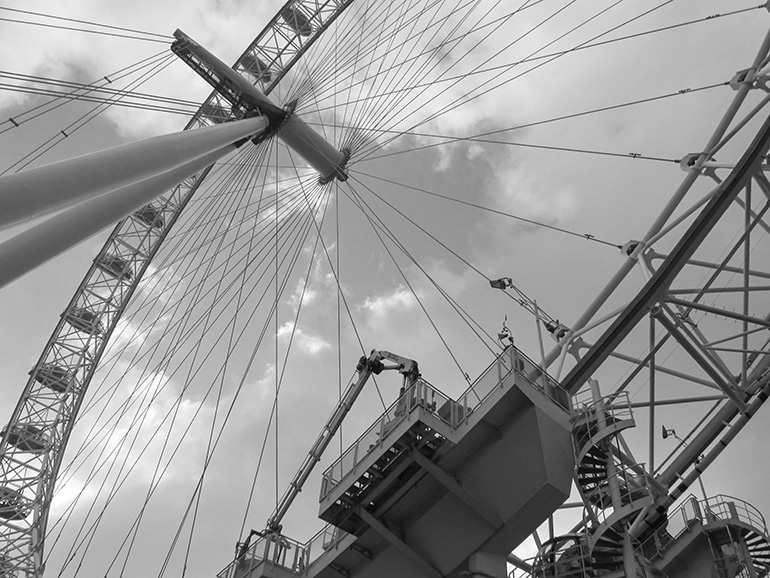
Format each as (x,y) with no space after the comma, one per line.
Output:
(285,124)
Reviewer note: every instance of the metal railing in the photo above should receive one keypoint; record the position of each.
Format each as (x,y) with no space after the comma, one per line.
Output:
(272,548)
(322,542)
(297,557)
(633,485)
(561,557)
(594,416)
(421,394)
(726,508)
(282,551)
(453,413)
(719,508)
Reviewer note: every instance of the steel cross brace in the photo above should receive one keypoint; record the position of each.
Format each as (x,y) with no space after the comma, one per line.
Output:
(378,526)
(659,283)
(451,484)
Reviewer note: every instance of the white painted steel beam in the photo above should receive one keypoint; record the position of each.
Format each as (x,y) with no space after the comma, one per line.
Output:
(292,130)
(34,193)
(36,245)
(409,553)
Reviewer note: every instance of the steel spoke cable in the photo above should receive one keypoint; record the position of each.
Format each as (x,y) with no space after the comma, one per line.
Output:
(262,189)
(432,237)
(165,37)
(585,236)
(460,258)
(392,27)
(472,324)
(429,67)
(447,139)
(104,89)
(257,470)
(243,379)
(178,533)
(98,418)
(78,124)
(180,299)
(461,101)
(357,52)
(197,225)
(85,30)
(84,546)
(90,438)
(465,98)
(85,410)
(423,70)
(375,21)
(400,24)
(99,100)
(230,349)
(108,358)
(507,66)
(280,375)
(49,106)
(369,218)
(455,139)
(345,301)
(290,197)
(318,60)
(434,22)
(330,90)
(376,41)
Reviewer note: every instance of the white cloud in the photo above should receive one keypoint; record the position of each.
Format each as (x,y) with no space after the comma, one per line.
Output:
(401,299)
(526,193)
(307,343)
(301,295)
(474,151)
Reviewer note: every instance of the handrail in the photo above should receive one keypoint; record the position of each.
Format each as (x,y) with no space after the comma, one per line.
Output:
(592,417)
(719,508)
(453,413)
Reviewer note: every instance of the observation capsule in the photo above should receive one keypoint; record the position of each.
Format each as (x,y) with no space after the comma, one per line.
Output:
(116,266)
(13,504)
(254,66)
(85,321)
(297,21)
(150,216)
(54,377)
(26,437)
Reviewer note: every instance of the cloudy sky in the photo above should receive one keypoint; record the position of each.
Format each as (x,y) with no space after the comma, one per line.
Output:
(422,217)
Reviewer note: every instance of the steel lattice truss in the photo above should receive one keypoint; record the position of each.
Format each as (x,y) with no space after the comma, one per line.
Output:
(706,339)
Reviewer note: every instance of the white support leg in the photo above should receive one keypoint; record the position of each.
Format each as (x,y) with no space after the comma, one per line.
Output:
(37,192)
(36,245)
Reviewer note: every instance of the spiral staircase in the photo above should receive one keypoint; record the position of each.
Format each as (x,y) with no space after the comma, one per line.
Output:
(613,489)
(730,534)
(720,537)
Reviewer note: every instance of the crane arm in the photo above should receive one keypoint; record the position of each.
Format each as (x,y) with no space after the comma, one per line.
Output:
(366,367)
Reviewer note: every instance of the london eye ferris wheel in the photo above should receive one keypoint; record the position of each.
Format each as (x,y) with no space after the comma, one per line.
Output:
(583,183)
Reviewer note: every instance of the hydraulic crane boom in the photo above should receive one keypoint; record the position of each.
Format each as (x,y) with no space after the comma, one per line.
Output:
(366,367)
